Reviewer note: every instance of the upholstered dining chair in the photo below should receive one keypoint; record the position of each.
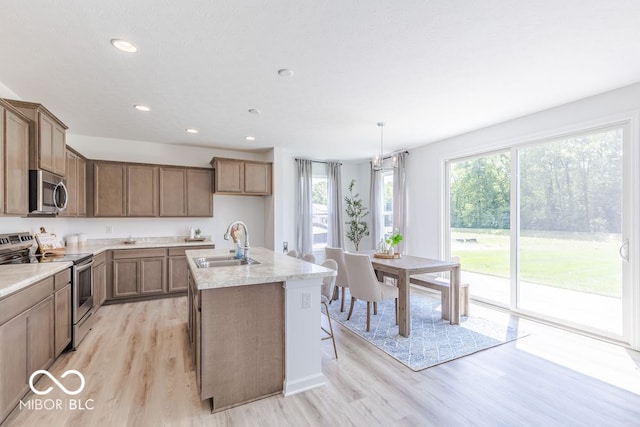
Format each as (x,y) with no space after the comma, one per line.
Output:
(337,254)
(293,253)
(364,285)
(309,258)
(326,292)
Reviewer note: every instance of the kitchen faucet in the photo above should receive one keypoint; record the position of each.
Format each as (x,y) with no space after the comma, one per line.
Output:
(246,236)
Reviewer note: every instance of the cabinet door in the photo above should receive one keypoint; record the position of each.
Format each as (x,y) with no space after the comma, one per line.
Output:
(16,164)
(2,170)
(199,195)
(59,150)
(72,185)
(178,274)
(152,275)
(62,319)
(125,277)
(229,176)
(257,178)
(109,186)
(46,128)
(142,190)
(81,189)
(40,335)
(173,192)
(13,363)
(100,284)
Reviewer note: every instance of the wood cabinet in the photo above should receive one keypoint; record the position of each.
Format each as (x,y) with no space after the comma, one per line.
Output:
(99,280)
(245,362)
(47,144)
(108,198)
(178,268)
(138,272)
(26,339)
(242,177)
(173,192)
(62,316)
(142,190)
(14,162)
(76,185)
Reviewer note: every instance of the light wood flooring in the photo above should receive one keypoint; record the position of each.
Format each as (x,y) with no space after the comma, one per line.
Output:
(138,372)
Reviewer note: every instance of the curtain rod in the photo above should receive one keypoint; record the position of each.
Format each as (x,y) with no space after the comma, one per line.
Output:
(320,161)
(394,153)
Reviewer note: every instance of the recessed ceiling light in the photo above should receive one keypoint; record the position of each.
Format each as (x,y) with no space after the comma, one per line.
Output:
(285,72)
(191,130)
(254,111)
(250,138)
(124,46)
(141,107)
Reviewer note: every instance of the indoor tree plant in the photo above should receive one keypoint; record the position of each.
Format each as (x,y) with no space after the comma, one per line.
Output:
(356,212)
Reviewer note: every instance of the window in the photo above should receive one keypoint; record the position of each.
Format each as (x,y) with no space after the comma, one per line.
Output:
(319,211)
(387,202)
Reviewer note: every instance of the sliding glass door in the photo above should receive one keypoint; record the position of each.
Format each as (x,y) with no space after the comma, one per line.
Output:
(539,228)
(570,229)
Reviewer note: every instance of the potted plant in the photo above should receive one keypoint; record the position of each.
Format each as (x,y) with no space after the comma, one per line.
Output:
(393,241)
(356,212)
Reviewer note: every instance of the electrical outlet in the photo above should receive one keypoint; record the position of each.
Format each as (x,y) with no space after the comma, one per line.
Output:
(285,247)
(306,300)
(109,229)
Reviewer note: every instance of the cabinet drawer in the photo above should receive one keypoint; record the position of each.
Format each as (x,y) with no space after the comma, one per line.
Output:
(62,279)
(139,253)
(179,251)
(25,299)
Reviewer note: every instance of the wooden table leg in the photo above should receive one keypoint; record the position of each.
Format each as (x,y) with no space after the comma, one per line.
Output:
(454,296)
(404,315)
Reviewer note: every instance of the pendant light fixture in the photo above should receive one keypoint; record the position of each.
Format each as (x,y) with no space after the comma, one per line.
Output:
(376,163)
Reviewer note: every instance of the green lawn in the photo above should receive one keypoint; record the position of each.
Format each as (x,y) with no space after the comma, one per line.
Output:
(583,262)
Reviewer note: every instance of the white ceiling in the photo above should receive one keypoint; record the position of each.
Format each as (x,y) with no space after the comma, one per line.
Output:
(430,69)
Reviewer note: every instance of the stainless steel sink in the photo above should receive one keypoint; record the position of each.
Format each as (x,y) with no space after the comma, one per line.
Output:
(222,261)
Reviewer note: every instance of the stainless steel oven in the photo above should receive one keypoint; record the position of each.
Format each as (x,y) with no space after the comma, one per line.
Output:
(82,298)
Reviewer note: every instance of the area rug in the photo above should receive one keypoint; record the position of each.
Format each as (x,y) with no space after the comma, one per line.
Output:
(432,340)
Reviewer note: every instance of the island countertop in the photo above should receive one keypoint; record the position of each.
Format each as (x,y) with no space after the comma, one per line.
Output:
(273,267)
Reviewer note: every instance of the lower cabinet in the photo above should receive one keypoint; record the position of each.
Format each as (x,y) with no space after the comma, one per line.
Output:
(99,280)
(62,336)
(138,272)
(27,339)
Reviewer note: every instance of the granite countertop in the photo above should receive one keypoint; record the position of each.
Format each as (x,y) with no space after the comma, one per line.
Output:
(273,267)
(14,277)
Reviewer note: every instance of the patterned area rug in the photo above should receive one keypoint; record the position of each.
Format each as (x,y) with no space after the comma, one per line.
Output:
(432,340)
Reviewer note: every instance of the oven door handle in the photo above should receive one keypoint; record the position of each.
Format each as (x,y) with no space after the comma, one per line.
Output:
(84,266)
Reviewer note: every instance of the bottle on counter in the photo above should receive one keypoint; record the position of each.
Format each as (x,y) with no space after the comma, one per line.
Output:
(239,253)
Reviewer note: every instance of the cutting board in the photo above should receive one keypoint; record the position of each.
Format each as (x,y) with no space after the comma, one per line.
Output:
(48,243)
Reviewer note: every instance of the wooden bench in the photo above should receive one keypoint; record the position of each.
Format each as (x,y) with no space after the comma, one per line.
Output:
(440,284)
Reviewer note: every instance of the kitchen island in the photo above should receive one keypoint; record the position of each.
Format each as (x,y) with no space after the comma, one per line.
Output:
(254,329)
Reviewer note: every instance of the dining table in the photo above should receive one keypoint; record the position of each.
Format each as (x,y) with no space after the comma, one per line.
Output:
(402,269)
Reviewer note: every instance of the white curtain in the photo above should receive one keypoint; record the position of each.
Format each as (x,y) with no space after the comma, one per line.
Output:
(304,227)
(376,208)
(335,237)
(400,196)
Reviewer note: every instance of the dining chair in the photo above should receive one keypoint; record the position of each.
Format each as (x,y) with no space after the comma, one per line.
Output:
(326,292)
(309,258)
(293,253)
(337,254)
(364,285)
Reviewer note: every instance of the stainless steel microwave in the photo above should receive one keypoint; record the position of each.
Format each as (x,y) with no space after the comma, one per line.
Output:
(47,193)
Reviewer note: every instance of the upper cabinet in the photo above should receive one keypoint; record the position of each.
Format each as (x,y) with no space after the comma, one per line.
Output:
(14,162)
(47,144)
(76,184)
(142,190)
(243,177)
